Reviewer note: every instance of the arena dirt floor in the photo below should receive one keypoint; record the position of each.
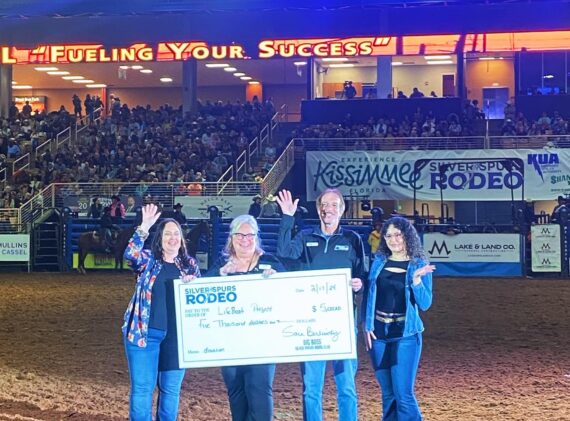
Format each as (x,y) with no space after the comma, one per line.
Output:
(495,349)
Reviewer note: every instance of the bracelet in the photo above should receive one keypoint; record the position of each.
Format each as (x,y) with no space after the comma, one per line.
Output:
(142,233)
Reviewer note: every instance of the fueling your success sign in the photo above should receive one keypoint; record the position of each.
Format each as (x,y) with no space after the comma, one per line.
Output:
(327,47)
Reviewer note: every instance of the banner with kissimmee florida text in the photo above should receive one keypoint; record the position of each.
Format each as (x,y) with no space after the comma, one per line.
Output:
(492,174)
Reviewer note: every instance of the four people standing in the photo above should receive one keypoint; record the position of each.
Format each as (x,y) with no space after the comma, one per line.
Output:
(399,286)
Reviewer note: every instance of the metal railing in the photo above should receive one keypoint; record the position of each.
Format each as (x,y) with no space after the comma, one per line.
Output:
(62,137)
(529,142)
(37,206)
(84,122)
(390,143)
(279,170)
(21,163)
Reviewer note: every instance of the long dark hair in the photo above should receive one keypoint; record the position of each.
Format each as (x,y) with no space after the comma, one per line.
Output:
(156,245)
(410,235)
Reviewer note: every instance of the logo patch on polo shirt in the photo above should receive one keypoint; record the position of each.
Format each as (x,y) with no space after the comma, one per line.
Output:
(264,266)
(313,244)
(341,248)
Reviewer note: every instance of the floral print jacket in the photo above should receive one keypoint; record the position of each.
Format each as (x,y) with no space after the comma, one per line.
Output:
(147,267)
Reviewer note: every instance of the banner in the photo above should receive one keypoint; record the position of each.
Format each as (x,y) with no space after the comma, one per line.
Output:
(457,175)
(81,203)
(14,247)
(546,255)
(249,319)
(474,254)
(196,207)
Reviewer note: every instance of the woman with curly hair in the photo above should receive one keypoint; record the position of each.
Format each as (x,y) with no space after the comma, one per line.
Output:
(399,285)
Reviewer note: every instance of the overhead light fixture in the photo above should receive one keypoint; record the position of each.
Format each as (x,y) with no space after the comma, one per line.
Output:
(58,73)
(14,82)
(146,71)
(495,84)
(487,58)
(440,62)
(137,67)
(22,87)
(548,77)
(246,78)
(123,67)
(253,82)
(437,57)
(83,81)
(72,77)
(239,74)
(335,59)
(300,63)
(230,69)
(341,65)
(397,63)
(46,69)
(96,85)
(166,79)
(216,65)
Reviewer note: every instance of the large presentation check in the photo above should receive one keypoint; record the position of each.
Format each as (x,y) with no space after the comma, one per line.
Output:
(248,319)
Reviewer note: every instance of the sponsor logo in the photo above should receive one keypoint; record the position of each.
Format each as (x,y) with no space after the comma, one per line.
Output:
(340,248)
(438,250)
(542,161)
(202,295)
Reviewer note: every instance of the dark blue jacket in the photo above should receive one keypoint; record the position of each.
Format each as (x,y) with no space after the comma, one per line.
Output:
(344,249)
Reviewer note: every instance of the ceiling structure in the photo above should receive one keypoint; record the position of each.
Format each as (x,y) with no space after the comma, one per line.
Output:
(69,8)
(273,72)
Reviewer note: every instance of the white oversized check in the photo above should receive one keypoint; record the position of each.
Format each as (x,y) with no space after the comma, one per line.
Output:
(248,319)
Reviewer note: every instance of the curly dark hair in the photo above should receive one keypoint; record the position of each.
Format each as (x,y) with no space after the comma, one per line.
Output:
(156,245)
(412,241)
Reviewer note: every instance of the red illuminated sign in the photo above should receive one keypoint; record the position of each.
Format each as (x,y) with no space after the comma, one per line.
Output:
(318,47)
(327,47)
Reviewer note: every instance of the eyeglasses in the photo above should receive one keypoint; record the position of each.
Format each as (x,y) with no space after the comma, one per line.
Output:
(396,235)
(241,236)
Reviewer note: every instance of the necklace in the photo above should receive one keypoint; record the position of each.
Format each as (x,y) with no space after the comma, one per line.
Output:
(251,261)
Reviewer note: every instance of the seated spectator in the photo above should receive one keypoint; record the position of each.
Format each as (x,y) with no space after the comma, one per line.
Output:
(270,208)
(416,93)
(255,207)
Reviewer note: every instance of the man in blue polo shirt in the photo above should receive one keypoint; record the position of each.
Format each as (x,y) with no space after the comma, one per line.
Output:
(324,247)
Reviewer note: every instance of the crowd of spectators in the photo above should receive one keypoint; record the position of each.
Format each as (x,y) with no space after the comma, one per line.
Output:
(418,125)
(516,124)
(148,145)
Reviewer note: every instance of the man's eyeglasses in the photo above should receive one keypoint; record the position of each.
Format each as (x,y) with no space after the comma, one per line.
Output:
(396,235)
(241,236)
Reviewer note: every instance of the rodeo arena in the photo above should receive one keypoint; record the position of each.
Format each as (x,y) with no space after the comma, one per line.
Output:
(399,169)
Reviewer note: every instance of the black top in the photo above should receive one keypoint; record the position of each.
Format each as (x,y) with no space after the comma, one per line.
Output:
(390,288)
(160,313)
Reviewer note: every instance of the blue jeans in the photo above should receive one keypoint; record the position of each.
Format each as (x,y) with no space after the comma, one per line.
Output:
(313,382)
(250,391)
(144,373)
(397,380)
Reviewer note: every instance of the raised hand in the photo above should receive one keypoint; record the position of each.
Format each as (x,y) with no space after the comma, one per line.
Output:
(286,203)
(150,215)
(421,272)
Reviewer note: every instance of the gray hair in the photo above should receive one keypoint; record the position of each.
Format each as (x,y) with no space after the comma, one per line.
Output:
(335,191)
(235,225)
